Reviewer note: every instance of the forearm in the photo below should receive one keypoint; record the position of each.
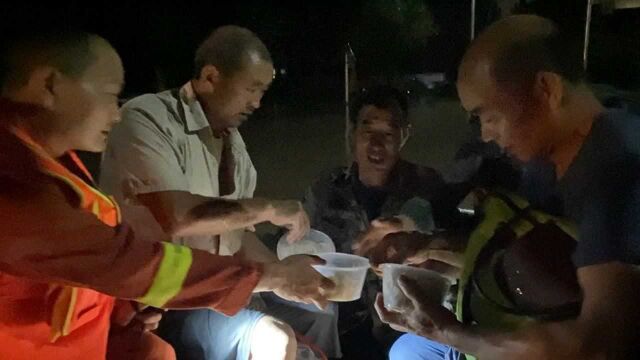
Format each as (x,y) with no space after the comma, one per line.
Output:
(455,239)
(81,251)
(557,340)
(185,214)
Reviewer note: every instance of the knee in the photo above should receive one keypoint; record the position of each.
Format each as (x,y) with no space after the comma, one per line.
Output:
(398,350)
(273,339)
(413,347)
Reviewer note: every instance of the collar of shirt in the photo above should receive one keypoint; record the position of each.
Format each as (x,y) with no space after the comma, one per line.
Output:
(196,120)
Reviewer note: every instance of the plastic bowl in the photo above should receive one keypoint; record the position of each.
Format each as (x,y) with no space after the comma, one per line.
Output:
(315,242)
(433,285)
(347,271)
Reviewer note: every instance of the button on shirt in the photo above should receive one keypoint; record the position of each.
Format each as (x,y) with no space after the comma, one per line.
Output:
(165,143)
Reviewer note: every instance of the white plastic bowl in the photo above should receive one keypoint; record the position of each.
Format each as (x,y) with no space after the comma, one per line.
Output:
(433,285)
(315,242)
(347,271)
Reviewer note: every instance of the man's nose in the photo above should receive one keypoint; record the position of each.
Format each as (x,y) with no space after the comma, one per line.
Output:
(255,103)
(377,140)
(117,114)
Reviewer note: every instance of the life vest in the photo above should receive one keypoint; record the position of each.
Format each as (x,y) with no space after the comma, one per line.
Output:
(52,321)
(486,295)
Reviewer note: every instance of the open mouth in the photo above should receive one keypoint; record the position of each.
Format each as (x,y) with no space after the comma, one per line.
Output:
(375,159)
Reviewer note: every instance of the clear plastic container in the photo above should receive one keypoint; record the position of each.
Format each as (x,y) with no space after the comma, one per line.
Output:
(433,285)
(347,271)
(315,242)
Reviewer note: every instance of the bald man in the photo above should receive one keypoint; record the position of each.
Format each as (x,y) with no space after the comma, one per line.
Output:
(527,88)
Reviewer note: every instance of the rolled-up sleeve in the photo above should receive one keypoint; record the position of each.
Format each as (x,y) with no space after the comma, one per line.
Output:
(142,157)
(45,238)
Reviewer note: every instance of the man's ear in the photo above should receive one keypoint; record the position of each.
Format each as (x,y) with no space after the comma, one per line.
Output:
(39,88)
(209,77)
(550,89)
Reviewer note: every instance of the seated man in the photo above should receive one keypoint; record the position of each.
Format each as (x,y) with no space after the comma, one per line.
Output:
(343,202)
(181,149)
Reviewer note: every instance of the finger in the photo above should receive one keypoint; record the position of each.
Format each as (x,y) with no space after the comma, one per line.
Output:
(320,301)
(369,238)
(386,316)
(306,223)
(321,304)
(450,272)
(378,270)
(361,242)
(419,257)
(251,228)
(448,257)
(410,288)
(399,328)
(139,306)
(369,244)
(436,313)
(302,227)
(315,260)
(150,318)
(294,235)
(326,284)
(151,327)
(391,223)
(451,258)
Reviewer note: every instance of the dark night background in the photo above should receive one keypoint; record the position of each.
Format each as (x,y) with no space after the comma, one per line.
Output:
(302,118)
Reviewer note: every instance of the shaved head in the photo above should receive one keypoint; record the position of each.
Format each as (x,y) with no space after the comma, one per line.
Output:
(71,53)
(230,49)
(512,51)
(76,77)
(517,79)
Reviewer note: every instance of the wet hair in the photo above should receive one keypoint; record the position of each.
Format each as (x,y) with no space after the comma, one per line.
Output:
(228,48)
(70,52)
(382,97)
(547,49)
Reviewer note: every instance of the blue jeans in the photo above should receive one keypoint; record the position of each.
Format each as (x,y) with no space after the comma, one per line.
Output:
(413,347)
(207,335)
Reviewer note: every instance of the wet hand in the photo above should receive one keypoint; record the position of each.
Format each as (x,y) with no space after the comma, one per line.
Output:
(291,215)
(295,279)
(147,318)
(448,263)
(419,316)
(378,230)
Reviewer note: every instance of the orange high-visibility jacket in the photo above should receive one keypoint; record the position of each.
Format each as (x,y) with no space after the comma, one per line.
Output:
(66,322)
(63,255)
